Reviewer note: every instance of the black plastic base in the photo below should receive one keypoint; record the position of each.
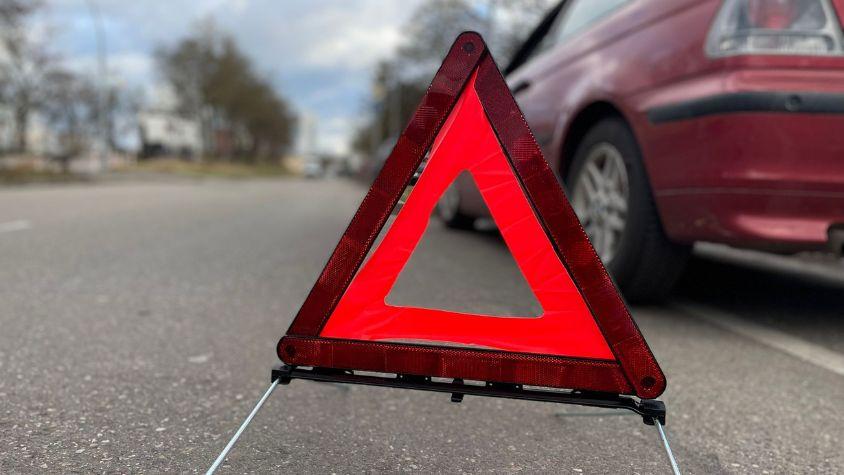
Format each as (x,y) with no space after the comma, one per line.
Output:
(649,409)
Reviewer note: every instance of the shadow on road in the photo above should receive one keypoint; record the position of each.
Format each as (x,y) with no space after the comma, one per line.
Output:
(798,300)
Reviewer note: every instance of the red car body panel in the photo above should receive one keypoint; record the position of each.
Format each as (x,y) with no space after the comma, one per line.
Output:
(751,178)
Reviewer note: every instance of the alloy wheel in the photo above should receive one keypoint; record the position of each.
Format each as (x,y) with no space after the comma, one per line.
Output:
(601,198)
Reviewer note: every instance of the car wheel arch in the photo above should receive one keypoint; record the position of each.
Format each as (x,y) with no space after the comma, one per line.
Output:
(643,250)
(586,118)
(579,125)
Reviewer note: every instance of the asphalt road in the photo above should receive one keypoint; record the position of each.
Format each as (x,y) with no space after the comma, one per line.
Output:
(138,324)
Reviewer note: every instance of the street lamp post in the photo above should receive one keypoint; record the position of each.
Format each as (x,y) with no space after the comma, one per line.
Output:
(102,79)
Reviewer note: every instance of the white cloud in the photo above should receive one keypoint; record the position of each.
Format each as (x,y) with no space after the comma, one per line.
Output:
(356,48)
(133,68)
(320,53)
(334,132)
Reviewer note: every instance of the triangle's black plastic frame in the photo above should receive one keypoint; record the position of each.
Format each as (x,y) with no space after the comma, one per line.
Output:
(649,409)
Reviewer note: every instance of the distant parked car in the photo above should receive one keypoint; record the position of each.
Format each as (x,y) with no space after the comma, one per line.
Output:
(313,169)
(380,158)
(671,122)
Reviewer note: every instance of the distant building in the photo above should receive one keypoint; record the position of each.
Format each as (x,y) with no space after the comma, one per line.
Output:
(312,159)
(166,134)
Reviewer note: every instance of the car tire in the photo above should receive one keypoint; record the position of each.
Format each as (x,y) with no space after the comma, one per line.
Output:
(644,263)
(450,211)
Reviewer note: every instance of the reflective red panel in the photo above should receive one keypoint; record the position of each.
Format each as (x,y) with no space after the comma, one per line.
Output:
(584,338)
(565,327)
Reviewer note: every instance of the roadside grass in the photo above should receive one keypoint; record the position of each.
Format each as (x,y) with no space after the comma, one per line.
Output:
(209,169)
(22,175)
(26,173)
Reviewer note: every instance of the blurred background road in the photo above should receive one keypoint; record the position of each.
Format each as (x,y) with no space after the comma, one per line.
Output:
(139,322)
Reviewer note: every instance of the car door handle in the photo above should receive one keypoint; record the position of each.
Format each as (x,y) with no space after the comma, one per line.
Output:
(519,87)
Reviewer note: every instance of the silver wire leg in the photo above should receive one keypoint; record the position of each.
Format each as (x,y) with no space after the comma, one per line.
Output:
(674,466)
(243,426)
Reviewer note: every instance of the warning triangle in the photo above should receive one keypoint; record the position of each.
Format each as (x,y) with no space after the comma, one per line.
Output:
(584,338)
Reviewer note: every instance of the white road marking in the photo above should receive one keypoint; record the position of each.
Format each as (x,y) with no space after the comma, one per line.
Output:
(12,226)
(809,352)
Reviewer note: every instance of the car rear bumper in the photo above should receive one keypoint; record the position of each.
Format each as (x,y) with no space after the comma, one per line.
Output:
(771,220)
(749,166)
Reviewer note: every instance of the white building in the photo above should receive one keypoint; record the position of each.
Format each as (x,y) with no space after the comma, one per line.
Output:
(163,133)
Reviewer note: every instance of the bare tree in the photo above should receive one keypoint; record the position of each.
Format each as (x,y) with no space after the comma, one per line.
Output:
(216,84)
(435,24)
(510,23)
(402,79)
(71,111)
(185,67)
(121,108)
(24,65)
(431,31)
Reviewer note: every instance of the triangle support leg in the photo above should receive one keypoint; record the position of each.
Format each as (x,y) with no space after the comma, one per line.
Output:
(227,449)
(674,467)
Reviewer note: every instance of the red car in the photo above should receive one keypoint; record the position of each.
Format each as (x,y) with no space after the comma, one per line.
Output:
(676,121)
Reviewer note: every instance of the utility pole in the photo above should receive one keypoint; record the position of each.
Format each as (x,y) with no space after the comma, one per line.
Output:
(102,79)
(375,130)
(395,94)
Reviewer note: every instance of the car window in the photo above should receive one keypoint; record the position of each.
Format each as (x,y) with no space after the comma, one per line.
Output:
(580,15)
(533,44)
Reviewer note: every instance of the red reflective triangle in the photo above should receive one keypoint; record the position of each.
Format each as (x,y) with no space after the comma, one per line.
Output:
(583,339)
(467,143)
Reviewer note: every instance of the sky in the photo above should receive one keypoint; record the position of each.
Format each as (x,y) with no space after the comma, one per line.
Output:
(319,54)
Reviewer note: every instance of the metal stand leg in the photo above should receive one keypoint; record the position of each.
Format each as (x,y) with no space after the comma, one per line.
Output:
(674,466)
(243,426)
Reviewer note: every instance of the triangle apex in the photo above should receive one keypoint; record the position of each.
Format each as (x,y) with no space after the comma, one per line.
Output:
(470,41)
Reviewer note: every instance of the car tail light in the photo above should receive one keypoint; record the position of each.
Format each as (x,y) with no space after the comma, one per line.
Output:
(794,27)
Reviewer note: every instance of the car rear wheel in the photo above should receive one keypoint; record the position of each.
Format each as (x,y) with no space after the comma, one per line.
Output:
(450,212)
(611,195)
